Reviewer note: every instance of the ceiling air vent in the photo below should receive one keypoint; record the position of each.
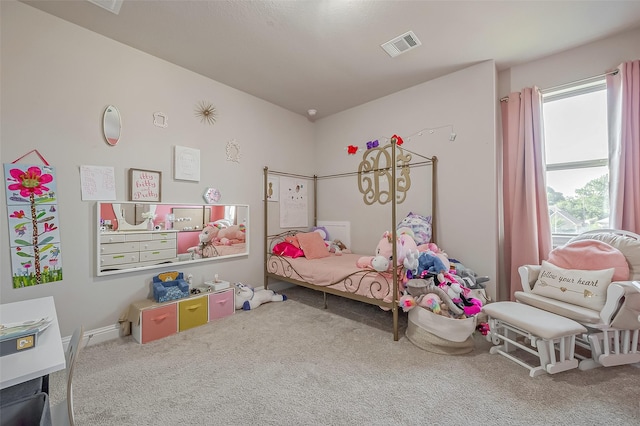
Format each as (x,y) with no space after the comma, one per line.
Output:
(112,6)
(401,44)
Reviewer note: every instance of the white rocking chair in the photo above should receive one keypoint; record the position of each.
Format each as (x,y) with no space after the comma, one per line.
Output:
(612,336)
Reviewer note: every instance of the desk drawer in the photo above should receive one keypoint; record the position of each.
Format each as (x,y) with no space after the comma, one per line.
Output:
(163,236)
(157,254)
(111,238)
(221,304)
(192,313)
(158,245)
(119,258)
(159,322)
(119,247)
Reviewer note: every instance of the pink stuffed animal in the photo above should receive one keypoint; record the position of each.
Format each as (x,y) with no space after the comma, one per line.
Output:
(381,262)
(232,235)
(208,239)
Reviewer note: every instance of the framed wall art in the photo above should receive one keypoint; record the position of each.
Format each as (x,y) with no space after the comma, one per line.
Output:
(187,164)
(145,185)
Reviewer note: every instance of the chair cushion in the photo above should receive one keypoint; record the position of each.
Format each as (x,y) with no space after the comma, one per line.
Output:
(539,322)
(591,255)
(581,287)
(576,313)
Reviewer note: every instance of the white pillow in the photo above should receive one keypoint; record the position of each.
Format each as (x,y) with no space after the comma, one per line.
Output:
(583,288)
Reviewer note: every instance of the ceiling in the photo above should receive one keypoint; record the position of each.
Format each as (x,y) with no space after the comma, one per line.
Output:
(326,54)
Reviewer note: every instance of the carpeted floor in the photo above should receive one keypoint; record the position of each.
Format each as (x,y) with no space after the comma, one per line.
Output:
(294,363)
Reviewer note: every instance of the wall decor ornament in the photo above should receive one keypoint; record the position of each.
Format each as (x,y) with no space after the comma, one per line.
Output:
(186,164)
(374,174)
(111,125)
(32,212)
(145,185)
(160,119)
(233,151)
(212,195)
(206,112)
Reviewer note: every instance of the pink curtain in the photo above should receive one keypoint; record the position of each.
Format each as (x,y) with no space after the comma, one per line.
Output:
(623,103)
(527,229)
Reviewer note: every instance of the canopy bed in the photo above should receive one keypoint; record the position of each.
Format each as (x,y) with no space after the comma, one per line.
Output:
(337,273)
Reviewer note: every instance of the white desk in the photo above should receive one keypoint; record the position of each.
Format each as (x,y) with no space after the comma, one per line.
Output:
(48,354)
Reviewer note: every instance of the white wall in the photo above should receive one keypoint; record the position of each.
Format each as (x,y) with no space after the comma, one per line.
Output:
(57,79)
(466,205)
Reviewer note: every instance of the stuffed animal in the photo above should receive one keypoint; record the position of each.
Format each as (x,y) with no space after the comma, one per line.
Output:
(208,237)
(337,247)
(420,287)
(381,262)
(407,302)
(458,294)
(232,235)
(247,298)
(411,264)
(322,231)
(428,262)
(431,301)
(433,248)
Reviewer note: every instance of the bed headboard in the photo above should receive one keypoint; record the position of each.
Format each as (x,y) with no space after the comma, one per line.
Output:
(338,230)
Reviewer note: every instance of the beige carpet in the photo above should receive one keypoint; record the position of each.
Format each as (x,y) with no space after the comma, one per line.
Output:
(290,363)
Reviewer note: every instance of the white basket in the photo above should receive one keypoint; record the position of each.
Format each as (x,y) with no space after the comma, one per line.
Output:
(455,330)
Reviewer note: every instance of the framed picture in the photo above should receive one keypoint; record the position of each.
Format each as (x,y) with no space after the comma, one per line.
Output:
(145,185)
(187,164)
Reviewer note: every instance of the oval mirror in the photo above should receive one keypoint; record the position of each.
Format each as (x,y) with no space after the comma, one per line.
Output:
(111,125)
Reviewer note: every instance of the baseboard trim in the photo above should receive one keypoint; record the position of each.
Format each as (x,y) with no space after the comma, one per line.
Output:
(98,335)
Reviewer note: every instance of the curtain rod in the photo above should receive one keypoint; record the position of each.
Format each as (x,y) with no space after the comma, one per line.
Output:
(614,72)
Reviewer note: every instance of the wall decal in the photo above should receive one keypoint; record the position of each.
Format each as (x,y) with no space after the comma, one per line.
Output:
(34,236)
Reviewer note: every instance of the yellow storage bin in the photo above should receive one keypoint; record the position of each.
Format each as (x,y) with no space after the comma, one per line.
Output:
(193,312)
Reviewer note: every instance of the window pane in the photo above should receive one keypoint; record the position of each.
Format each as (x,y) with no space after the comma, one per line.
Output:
(575,128)
(578,199)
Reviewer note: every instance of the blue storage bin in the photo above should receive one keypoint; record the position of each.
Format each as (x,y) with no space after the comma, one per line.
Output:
(164,291)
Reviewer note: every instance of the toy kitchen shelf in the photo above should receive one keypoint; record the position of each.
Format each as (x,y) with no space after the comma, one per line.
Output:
(151,320)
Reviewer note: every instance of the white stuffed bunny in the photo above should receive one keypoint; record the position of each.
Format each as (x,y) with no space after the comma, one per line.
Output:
(247,298)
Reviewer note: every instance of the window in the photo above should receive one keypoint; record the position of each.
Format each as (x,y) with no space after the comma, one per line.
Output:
(577,158)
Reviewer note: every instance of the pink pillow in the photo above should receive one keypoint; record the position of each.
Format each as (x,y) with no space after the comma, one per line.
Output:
(312,245)
(292,240)
(591,255)
(286,249)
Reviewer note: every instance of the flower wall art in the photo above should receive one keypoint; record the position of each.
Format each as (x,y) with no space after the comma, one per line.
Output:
(34,235)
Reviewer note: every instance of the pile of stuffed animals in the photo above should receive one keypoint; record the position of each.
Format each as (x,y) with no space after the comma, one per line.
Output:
(217,234)
(430,279)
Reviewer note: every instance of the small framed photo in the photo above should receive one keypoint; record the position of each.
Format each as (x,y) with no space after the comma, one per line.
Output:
(145,185)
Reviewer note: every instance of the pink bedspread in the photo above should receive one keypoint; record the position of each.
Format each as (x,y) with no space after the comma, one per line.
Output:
(337,272)
(232,249)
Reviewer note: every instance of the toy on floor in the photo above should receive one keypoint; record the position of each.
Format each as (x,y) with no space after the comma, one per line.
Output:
(247,298)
